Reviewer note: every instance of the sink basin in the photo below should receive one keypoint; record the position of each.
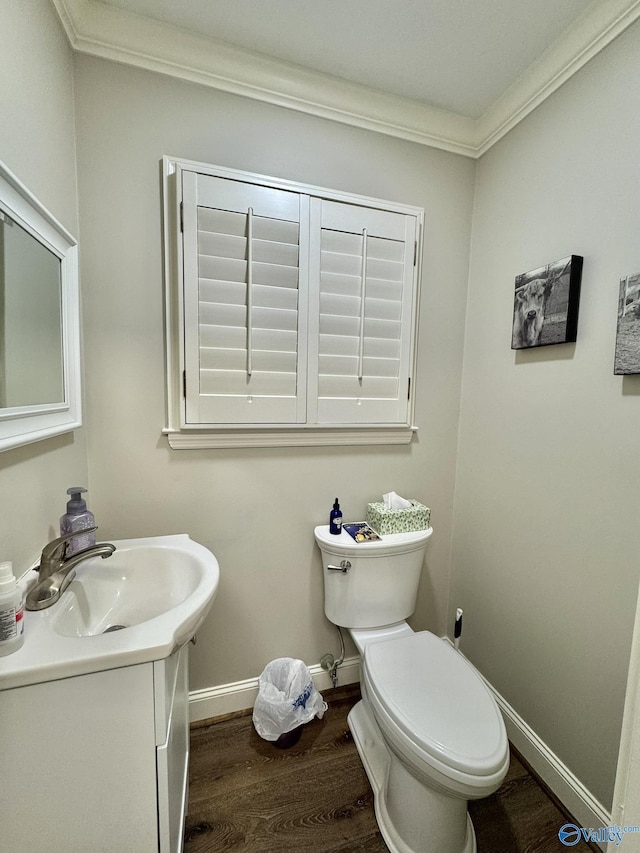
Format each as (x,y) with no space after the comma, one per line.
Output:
(141,604)
(140,581)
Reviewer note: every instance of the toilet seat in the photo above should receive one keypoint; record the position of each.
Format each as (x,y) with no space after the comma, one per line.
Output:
(432,704)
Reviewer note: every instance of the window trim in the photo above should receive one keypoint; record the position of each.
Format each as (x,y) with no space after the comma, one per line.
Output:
(188,436)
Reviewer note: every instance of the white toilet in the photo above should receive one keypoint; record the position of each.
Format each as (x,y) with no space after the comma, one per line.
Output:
(429,733)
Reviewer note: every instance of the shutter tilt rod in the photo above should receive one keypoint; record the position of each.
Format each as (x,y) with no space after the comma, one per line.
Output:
(362,298)
(249,287)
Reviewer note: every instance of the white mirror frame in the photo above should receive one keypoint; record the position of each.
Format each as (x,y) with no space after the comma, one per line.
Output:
(26,424)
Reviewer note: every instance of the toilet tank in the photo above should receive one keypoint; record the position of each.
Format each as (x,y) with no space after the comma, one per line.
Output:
(381,585)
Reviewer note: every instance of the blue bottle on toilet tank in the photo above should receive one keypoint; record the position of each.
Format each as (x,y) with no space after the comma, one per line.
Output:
(335,519)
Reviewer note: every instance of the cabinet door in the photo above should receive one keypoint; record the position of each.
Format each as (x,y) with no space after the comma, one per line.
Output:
(244,306)
(173,755)
(78,764)
(362,315)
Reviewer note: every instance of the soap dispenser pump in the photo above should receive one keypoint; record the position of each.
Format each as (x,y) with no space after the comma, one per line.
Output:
(77,518)
(335,519)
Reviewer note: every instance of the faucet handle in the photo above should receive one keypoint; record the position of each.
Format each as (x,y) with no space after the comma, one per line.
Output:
(55,549)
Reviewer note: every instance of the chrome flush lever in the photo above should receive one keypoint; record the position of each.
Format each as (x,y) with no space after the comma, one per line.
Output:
(344,567)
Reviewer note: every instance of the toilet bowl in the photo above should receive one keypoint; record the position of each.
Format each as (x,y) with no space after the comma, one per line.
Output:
(428,732)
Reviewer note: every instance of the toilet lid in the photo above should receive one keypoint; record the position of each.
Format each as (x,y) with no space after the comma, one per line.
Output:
(438,701)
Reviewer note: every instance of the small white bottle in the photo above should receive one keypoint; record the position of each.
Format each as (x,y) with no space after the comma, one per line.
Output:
(11,611)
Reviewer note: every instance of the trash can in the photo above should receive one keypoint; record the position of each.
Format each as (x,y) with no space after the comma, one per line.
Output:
(287,699)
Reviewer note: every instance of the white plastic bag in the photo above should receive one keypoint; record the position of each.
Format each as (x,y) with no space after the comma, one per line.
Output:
(287,698)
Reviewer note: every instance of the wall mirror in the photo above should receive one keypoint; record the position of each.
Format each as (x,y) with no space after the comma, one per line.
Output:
(39,320)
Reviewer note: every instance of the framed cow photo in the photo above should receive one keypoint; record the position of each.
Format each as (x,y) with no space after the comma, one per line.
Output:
(627,358)
(545,304)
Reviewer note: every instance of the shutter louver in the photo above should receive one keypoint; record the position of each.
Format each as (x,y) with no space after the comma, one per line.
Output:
(247,280)
(364,317)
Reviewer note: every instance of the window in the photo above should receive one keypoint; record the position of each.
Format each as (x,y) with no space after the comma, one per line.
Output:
(291,312)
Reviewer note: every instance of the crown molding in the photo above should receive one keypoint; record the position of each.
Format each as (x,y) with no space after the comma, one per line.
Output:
(107,32)
(590,34)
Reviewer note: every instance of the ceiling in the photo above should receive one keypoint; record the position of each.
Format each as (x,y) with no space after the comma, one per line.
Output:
(453,73)
(457,54)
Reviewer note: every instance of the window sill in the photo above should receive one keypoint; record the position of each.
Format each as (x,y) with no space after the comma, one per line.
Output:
(319,437)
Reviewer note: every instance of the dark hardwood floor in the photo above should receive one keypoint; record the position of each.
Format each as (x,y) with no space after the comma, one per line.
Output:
(248,795)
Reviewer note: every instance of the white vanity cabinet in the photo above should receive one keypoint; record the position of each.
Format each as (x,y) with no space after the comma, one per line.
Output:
(96,762)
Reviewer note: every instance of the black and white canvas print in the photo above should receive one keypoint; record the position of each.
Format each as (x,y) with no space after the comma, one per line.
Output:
(545,305)
(627,358)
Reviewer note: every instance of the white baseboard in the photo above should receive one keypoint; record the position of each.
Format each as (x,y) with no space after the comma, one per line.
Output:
(241,695)
(579,801)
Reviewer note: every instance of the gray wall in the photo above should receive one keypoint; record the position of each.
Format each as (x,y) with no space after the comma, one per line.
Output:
(545,557)
(37,143)
(255,509)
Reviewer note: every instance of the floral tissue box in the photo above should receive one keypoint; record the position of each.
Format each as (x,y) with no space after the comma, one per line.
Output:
(385,521)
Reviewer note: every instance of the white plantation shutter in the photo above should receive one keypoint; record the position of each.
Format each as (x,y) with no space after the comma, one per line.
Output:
(295,310)
(243,303)
(361,341)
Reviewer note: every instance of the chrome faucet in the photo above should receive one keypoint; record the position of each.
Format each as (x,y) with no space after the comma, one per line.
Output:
(56,572)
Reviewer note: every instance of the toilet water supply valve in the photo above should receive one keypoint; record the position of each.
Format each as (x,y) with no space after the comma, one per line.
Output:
(328,662)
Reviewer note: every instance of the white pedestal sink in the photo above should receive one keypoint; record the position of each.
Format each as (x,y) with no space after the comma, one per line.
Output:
(159,588)
(101,719)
